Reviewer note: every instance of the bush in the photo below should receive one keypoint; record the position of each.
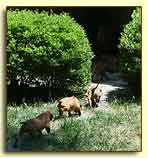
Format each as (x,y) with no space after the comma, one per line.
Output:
(130,52)
(47,50)
(130,45)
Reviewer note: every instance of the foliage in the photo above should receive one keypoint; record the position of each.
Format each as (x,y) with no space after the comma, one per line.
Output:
(130,45)
(50,50)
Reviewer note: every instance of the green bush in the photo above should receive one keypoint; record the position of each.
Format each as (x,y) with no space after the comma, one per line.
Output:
(130,45)
(50,50)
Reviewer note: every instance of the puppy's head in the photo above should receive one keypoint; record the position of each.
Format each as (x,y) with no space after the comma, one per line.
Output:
(45,116)
(98,95)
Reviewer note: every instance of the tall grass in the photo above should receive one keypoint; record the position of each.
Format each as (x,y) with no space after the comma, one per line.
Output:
(116,130)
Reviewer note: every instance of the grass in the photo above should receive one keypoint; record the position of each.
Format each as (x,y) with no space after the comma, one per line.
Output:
(116,130)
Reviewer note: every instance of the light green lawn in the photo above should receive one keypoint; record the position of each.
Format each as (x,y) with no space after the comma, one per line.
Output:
(116,130)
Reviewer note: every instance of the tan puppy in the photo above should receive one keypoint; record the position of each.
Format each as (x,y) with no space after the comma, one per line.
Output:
(69,104)
(36,124)
(93,95)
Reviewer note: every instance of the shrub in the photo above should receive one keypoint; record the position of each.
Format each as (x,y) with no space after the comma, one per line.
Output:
(130,45)
(50,50)
(130,51)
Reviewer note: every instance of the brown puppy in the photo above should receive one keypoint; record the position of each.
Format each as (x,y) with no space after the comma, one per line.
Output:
(36,124)
(93,95)
(69,104)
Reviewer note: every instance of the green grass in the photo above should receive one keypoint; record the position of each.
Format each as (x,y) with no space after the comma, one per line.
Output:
(116,130)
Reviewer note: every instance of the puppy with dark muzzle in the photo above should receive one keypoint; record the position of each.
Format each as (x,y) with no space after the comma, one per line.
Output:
(93,95)
(36,124)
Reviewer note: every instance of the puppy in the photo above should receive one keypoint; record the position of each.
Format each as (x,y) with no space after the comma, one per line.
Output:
(93,95)
(36,124)
(96,98)
(69,104)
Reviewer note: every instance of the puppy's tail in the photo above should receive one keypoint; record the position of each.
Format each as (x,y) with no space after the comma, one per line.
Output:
(96,86)
(93,90)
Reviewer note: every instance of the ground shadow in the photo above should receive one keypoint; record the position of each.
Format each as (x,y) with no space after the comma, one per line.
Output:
(126,95)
